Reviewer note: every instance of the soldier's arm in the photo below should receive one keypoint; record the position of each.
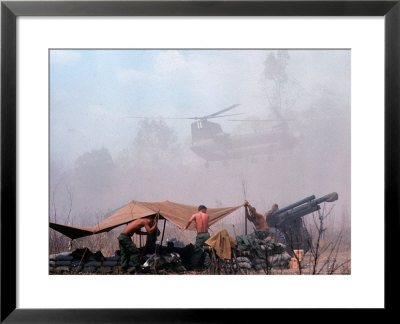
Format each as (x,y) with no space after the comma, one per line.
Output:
(253,212)
(149,229)
(190,221)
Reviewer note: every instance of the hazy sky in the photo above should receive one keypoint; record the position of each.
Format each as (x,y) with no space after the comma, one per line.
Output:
(92,91)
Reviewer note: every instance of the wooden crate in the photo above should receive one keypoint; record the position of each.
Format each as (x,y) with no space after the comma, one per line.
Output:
(299,254)
(293,264)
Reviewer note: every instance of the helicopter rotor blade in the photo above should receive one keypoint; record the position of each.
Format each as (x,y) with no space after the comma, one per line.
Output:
(225,115)
(260,120)
(219,112)
(137,117)
(147,117)
(214,115)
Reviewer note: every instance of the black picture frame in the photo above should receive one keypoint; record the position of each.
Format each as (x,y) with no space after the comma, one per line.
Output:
(10,10)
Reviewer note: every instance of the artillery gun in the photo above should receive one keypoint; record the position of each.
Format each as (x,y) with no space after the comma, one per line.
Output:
(286,224)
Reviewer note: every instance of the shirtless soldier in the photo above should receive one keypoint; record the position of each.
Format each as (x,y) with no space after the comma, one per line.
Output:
(201,220)
(260,223)
(128,249)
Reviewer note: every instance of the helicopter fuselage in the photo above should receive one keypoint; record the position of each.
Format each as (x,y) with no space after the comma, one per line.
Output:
(223,146)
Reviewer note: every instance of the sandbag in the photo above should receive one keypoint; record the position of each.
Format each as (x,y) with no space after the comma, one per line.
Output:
(93,264)
(259,262)
(245,265)
(76,269)
(279,260)
(64,256)
(76,263)
(242,259)
(82,254)
(260,247)
(112,258)
(63,263)
(98,256)
(110,263)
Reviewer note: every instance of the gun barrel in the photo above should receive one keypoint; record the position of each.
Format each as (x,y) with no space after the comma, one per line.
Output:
(300,213)
(304,207)
(291,206)
(298,209)
(328,198)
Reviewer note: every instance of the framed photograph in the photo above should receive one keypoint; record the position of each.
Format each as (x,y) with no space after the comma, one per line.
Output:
(275,115)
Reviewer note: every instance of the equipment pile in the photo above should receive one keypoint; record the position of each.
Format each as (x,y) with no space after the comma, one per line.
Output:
(169,262)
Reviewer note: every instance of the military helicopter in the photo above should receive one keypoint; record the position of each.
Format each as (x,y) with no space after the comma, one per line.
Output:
(211,143)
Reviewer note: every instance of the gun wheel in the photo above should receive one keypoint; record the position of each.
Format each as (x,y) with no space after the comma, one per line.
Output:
(276,236)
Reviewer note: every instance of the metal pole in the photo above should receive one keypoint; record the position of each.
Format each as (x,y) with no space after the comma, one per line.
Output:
(162,237)
(245,220)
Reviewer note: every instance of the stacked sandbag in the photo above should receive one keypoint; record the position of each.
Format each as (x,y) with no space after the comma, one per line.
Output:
(83,261)
(279,260)
(60,263)
(244,263)
(259,264)
(260,254)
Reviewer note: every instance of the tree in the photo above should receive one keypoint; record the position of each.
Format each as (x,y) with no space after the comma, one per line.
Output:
(275,70)
(95,167)
(324,251)
(275,66)
(155,133)
(155,141)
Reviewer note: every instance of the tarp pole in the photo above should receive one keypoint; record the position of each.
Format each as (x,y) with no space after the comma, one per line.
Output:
(245,221)
(162,237)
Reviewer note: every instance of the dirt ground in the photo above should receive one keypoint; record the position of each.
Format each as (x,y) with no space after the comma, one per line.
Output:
(326,265)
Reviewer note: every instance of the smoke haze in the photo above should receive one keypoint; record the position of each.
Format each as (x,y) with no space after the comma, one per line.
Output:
(100,159)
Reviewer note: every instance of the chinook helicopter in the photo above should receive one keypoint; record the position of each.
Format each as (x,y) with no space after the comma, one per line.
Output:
(211,143)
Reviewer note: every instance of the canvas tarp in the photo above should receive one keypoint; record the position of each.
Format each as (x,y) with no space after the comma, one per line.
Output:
(178,214)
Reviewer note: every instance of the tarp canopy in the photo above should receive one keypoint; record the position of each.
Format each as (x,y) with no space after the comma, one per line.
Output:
(177,214)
